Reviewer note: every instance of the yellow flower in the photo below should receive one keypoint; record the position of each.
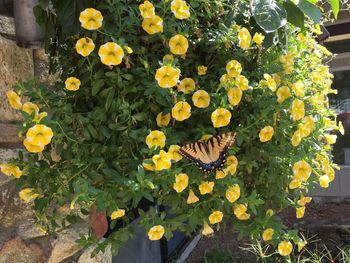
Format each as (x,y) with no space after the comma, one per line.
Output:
(298,88)
(91,19)
(258,38)
(341,128)
(285,248)
(300,211)
(163,119)
(180,9)
(168,58)
(29,108)
(167,76)
(111,54)
(162,161)
(220,117)
(174,152)
(270,82)
(207,230)
(178,45)
(267,234)
(231,169)
(14,99)
(277,78)
(220,174)
(202,70)
(234,96)
(149,165)
(266,133)
(242,82)
(240,212)
(10,169)
(295,183)
(27,195)
(206,187)
(192,198)
(32,148)
(330,138)
(244,38)
(302,171)
(304,200)
(301,245)
(233,193)
(156,232)
(181,182)
(269,212)
(309,123)
(155,139)
(181,111)
(206,137)
(283,93)
(215,217)
(201,99)
(233,68)
(224,80)
(72,83)
(153,25)
(187,85)
(324,181)
(296,138)
(84,46)
(40,116)
(231,160)
(39,135)
(147,9)
(128,49)
(298,110)
(118,213)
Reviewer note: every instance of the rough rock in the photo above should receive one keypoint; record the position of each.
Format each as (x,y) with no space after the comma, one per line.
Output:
(5,155)
(9,135)
(105,257)
(7,26)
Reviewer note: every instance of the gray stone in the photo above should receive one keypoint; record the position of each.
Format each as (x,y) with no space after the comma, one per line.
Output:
(105,257)
(7,26)
(28,229)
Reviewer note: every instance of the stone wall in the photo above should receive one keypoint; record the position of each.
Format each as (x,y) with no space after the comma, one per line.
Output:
(20,240)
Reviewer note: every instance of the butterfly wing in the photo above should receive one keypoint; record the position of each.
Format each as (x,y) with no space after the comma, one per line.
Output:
(209,155)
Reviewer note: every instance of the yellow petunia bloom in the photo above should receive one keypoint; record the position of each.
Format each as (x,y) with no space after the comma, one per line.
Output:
(155,139)
(117,214)
(181,182)
(11,170)
(304,200)
(302,171)
(153,25)
(168,59)
(72,84)
(233,193)
(220,117)
(181,111)
(201,99)
(91,19)
(244,38)
(163,119)
(258,38)
(298,88)
(207,230)
(192,198)
(30,107)
(156,232)
(283,93)
(269,212)
(180,9)
(149,165)
(32,148)
(84,46)
(242,82)
(202,70)
(167,76)
(240,212)
(301,245)
(215,217)
(324,181)
(206,137)
(220,174)
(174,152)
(297,110)
(111,54)
(296,138)
(234,96)
(231,160)
(266,133)
(39,135)
(40,116)
(285,248)
(270,82)
(206,187)
(147,9)
(162,161)
(277,78)
(14,100)
(233,68)
(187,85)
(28,195)
(178,45)
(330,138)
(295,183)
(267,234)
(300,211)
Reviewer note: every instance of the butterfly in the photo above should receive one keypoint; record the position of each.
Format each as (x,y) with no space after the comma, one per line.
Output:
(209,155)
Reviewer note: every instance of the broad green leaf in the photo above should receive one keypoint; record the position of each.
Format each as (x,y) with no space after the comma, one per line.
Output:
(335,7)
(96,86)
(268,14)
(310,10)
(294,15)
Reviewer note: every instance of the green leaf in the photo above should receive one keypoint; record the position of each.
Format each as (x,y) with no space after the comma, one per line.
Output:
(96,86)
(310,10)
(294,15)
(335,7)
(268,14)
